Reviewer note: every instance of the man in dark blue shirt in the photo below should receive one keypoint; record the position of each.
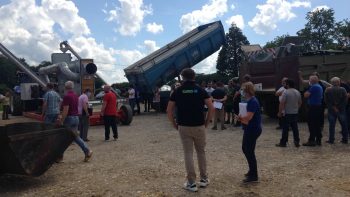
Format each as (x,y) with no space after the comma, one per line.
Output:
(315,111)
(219,97)
(191,123)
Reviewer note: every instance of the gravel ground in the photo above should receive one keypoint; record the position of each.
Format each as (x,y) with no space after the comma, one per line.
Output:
(147,160)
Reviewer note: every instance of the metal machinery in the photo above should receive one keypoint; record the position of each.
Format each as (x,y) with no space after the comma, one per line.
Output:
(268,66)
(81,71)
(166,63)
(31,148)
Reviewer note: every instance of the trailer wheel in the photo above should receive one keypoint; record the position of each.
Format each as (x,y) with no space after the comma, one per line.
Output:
(126,118)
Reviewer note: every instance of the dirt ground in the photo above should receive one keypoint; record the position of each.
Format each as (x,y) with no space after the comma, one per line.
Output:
(147,160)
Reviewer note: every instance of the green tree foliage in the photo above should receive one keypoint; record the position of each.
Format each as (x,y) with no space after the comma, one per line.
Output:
(211,77)
(8,77)
(42,64)
(342,34)
(319,29)
(231,54)
(276,42)
(98,83)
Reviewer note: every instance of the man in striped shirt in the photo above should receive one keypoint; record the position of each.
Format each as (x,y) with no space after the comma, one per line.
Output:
(51,105)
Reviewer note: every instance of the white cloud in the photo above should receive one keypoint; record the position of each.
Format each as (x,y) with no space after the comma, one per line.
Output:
(232,7)
(208,65)
(320,7)
(272,12)
(65,13)
(237,19)
(150,46)
(154,28)
(209,12)
(129,16)
(128,57)
(28,30)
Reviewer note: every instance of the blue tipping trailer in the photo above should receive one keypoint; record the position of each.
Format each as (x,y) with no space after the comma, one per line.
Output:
(167,62)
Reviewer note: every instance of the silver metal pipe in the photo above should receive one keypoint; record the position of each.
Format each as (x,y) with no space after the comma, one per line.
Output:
(13,58)
(64,47)
(61,67)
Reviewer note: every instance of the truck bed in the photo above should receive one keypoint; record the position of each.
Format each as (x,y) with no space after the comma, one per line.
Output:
(167,62)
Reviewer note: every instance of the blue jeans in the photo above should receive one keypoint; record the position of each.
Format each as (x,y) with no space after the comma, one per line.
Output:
(50,118)
(72,122)
(332,118)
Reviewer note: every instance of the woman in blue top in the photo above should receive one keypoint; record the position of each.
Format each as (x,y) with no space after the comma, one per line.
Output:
(252,130)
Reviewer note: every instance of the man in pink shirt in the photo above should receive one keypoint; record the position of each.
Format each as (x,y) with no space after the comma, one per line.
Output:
(83,112)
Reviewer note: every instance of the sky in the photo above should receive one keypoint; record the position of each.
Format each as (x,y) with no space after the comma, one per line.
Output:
(117,33)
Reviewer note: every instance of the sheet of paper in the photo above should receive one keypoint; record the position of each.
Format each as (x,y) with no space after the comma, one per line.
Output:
(243,109)
(217,105)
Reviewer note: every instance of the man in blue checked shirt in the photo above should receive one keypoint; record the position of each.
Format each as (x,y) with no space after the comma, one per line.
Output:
(51,105)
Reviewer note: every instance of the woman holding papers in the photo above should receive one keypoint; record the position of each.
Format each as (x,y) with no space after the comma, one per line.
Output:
(251,121)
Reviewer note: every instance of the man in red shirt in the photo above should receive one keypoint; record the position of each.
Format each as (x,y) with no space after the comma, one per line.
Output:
(109,112)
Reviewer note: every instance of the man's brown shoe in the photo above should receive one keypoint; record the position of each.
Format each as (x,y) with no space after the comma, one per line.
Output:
(88,156)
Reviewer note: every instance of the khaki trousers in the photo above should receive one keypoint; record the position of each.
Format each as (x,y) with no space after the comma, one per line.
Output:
(194,136)
(219,114)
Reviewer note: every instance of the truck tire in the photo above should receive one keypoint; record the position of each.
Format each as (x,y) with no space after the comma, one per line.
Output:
(127,114)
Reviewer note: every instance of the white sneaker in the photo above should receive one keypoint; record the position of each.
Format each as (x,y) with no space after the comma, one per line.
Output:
(203,182)
(190,187)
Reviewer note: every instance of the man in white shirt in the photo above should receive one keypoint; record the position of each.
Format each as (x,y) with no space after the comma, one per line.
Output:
(132,99)
(279,93)
(209,89)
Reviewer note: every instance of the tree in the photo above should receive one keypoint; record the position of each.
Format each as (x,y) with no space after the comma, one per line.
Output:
(8,77)
(211,78)
(342,34)
(231,54)
(42,64)
(276,42)
(319,29)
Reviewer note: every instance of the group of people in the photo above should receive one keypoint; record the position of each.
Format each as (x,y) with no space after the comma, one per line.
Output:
(190,101)
(320,95)
(136,95)
(72,111)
